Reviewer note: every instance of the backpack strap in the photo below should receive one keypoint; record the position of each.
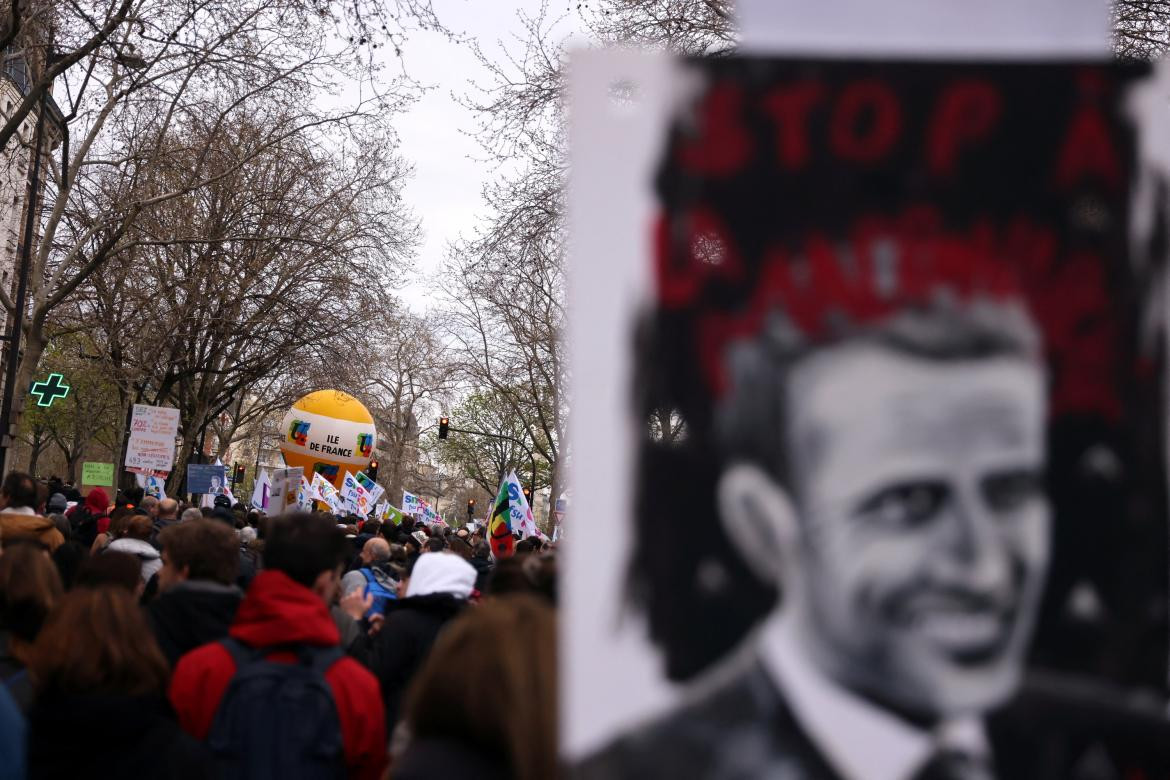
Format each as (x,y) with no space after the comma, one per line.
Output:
(241,654)
(319,659)
(368,573)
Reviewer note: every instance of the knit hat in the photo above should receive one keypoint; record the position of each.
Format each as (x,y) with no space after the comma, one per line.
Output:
(57,503)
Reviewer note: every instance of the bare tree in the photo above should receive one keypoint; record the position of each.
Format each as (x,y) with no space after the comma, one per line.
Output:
(408,379)
(680,26)
(259,273)
(1141,28)
(143,130)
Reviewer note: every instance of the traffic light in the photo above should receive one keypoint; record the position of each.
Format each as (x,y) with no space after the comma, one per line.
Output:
(470,508)
(442,427)
(238,474)
(372,470)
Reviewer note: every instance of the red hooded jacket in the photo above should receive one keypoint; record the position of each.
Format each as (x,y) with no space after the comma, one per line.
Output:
(279,611)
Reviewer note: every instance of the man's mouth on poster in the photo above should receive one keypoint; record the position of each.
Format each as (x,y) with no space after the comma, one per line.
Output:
(968,629)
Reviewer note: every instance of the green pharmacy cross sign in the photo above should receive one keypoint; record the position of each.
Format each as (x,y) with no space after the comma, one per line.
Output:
(50,390)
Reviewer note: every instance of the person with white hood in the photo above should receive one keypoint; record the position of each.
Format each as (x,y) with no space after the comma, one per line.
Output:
(136,541)
(440,585)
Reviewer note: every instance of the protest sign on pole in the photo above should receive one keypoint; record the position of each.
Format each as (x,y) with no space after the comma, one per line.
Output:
(151,445)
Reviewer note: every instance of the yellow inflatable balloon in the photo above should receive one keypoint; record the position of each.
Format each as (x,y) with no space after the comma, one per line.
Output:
(328,432)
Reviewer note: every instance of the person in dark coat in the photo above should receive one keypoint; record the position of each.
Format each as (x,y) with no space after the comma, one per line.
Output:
(168,515)
(99,708)
(481,560)
(198,597)
(439,586)
(90,518)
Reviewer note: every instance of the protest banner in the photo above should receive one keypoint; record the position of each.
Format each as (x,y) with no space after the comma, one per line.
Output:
(97,474)
(151,444)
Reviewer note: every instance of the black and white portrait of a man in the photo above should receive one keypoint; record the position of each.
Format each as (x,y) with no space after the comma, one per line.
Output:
(896,340)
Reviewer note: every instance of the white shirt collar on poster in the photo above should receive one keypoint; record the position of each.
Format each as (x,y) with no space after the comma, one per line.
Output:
(860,740)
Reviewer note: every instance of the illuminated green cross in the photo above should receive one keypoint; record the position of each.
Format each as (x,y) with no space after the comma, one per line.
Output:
(50,390)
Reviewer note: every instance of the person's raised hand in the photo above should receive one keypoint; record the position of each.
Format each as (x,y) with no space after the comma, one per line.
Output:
(356,604)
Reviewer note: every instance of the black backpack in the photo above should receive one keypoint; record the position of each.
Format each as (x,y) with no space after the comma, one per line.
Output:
(278,720)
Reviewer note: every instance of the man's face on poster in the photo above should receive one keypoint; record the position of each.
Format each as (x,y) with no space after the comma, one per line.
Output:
(923,529)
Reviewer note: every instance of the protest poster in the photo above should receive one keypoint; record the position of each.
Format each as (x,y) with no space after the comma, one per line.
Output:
(392,515)
(355,497)
(206,478)
(151,443)
(411,504)
(323,490)
(261,490)
(98,474)
(283,493)
(373,488)
(305,494)
(152,485)
(877,300)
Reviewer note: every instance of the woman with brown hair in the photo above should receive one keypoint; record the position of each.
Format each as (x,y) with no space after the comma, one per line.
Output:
(100,707)
(484,703)
(29,587)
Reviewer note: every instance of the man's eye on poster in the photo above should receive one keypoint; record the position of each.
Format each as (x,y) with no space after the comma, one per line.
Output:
(890,476)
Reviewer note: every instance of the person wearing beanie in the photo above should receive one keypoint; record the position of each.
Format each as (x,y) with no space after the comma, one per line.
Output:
(57,504)
(439,587)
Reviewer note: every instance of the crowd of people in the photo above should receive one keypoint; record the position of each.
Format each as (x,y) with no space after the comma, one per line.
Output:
(143,638)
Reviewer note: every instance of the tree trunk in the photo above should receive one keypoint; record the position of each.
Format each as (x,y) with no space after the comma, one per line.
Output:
(34,347)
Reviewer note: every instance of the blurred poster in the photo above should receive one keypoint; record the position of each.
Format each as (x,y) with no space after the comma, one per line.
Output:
(282,495)
(206,478)
(150,446)
(884,463)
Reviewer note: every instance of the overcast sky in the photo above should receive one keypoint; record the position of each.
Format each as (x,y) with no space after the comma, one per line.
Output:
(445,192)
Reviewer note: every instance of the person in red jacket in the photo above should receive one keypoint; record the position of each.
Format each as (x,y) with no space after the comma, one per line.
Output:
(286,607)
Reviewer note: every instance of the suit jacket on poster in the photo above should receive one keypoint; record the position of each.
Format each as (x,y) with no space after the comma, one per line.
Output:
(746,730)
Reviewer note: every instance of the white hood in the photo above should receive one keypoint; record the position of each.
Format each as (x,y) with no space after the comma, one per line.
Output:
(134,547)
(441,572)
